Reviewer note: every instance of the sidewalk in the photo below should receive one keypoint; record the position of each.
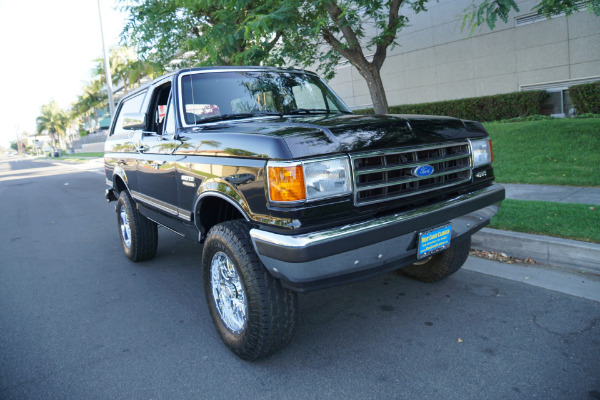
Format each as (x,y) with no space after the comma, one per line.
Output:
(558,194)
(574,254)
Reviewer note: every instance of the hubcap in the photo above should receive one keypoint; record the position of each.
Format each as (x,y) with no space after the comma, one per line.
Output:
(228,293)
(125,228)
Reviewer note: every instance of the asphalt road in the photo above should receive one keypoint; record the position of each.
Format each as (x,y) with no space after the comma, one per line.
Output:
(79,321)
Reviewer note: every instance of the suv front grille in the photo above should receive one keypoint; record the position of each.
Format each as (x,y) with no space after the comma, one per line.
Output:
(387,175)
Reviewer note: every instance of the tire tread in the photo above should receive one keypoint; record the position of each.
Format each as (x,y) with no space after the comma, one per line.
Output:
(144,233)
(442,265)
(274,309)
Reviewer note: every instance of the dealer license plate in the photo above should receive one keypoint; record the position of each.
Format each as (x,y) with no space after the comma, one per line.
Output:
(433,241)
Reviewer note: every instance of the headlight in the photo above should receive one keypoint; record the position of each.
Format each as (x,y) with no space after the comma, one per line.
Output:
(482,152)
(308,180)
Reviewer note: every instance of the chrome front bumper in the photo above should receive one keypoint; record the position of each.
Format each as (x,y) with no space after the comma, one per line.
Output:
(353,252)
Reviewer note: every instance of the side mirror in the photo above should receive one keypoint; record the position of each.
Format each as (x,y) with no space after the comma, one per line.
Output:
(134,121)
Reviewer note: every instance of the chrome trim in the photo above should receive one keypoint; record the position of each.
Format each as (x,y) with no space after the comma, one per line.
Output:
(229,294)
(364,203)
(383,169)
(170,229)
(398,182)
(161,205)
(489,140)
(337,267)
(312,160)
(315,238)
(125,227)
(370,171)
(181,110)
(408,149)
(184,214)
(224,197)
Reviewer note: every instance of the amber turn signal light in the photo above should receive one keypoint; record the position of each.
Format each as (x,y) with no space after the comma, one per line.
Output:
(286,183)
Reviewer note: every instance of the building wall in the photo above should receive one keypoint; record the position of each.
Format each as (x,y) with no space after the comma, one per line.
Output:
(437,61)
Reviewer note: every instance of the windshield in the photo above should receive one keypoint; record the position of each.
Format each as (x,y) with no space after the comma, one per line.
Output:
(213,96)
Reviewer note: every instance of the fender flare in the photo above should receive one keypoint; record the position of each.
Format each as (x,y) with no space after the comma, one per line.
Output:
(120,173)
(223,191)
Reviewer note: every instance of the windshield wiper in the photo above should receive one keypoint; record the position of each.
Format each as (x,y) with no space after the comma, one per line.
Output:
(308,111)
(299,111)
(225,117)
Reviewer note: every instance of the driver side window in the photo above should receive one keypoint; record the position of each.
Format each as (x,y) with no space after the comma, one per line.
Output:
(158,108)
(170,119)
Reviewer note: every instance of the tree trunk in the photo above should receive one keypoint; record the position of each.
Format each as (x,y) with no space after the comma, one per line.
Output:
(354,53)
(376,89)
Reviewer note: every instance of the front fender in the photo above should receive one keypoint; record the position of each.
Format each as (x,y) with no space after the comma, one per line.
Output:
(223,190)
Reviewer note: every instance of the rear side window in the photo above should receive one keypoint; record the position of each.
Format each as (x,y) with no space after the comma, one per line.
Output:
(129,106)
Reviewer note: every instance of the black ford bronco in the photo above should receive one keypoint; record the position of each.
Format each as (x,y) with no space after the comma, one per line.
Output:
(290,191)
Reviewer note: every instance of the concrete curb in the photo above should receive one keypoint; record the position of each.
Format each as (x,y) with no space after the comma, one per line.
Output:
(543,249)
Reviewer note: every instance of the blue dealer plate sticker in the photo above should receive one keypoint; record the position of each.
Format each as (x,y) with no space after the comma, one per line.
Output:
(433,241)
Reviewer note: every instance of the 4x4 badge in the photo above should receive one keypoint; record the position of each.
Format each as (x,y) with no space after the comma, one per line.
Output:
(422,171)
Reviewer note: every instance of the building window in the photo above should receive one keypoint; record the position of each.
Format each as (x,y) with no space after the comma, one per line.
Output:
(558,103)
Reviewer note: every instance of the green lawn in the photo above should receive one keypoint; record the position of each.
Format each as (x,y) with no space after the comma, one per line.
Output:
(554,152)
(572,221)
(76,155)
(79,157)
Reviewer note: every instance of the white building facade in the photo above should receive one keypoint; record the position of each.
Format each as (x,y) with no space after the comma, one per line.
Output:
(436,60)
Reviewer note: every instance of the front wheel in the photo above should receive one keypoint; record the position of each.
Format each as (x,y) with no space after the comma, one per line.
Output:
(139,235)
(253,313)
(440,265)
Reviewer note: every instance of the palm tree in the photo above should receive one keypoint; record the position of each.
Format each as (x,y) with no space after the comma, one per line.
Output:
(53,121)
(87,105)
(140,69)
(127,68)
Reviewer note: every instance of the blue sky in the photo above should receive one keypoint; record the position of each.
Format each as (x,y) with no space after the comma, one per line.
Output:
(47,52)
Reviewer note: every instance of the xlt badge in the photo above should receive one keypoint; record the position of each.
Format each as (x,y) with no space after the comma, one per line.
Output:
(188,180)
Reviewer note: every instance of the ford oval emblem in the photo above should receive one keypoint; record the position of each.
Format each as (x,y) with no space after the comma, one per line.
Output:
(422,171)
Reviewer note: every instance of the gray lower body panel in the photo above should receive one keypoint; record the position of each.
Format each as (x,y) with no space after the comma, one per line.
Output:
(353,252)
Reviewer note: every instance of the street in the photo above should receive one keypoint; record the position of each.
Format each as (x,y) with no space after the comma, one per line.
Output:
(78,320)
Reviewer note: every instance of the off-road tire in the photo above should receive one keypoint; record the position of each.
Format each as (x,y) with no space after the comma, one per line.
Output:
(141,240)
(272,310)
(441,265)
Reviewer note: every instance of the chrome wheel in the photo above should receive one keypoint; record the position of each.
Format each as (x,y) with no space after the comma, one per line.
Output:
(228,293)
(125,228)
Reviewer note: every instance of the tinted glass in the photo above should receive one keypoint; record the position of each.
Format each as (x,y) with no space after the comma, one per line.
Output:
(228,93)
(170,124)
(129,106)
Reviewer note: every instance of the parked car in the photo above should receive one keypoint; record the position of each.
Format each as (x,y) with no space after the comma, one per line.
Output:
(290,191)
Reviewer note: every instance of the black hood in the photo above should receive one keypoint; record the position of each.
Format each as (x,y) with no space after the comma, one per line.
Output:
(317,135)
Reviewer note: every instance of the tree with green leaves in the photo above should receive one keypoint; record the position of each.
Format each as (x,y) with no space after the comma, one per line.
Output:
(294,32)
(86,107)
(489,11)
(244,32)
(54,121)
(126,68)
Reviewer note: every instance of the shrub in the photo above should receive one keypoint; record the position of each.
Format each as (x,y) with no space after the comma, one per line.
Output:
(486,108)
(586,97)
(526,119)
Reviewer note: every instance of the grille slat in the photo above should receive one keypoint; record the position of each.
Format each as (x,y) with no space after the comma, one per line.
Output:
(387,175)
(397,167)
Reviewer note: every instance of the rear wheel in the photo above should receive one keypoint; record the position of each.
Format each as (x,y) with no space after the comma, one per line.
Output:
(253,313)
(139,235)
(441,265)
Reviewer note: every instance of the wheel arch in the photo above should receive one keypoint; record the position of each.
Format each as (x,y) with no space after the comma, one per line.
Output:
(120,181)
(213,207)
